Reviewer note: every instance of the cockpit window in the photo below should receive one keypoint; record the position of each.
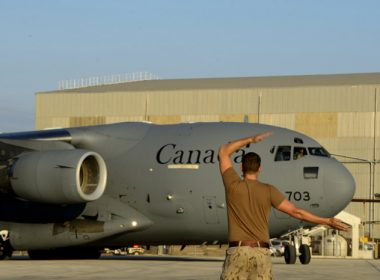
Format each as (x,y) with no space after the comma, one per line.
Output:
(318,151)
(283,153)
(299,152)
(298,140)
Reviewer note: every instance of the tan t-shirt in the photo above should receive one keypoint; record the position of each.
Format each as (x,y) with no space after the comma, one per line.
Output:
(248,207)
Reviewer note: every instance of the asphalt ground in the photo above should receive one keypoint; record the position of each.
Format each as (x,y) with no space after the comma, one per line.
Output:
(189,268)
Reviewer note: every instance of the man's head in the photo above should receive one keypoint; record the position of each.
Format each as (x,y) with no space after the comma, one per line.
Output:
(251,163)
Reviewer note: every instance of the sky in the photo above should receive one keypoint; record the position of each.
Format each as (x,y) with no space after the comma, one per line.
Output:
(43,42)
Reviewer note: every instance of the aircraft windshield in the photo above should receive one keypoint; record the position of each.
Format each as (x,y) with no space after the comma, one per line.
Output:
(287,153)
(299,152)
(318,151)
(283,153)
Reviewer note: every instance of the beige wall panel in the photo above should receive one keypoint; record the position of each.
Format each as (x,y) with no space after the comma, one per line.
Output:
(360,170)
(356,147)
(164,119)
(377,205)
(199,118)
(377,149)
(85,121)
(120,104)
(240,102)
(46,105)
(317,125)
(111,104)
(40,99)
(377,126)
(91,104)
(50,105)
(70,105)
(42,123)
(358,209)
(282,120)
(362,179)
(317,99)
(84,105)
(376,229)
(125,119)
(377,181)
(253,118)
(232,118)
(167,103)
(356,124)
(183,103)
(377,91)
(361,173)
(60,122)
(200,102)
(209,102)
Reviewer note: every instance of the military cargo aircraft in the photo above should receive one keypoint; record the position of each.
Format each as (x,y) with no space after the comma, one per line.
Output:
(71,192)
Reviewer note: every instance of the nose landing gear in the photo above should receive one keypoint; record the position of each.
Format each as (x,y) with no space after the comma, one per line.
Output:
(296,248)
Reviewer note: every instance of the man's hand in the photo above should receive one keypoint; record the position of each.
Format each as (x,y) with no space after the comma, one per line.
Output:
(289,208)
(338,224)
(259,137)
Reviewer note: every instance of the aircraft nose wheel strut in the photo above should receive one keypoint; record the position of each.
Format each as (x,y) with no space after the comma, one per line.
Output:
(295,249)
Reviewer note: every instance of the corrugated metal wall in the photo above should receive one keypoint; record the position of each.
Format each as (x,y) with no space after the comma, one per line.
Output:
(344,119)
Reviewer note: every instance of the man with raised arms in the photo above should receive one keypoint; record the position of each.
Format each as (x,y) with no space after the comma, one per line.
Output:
(249,202)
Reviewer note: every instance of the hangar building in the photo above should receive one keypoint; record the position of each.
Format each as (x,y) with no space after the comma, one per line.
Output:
(340,111)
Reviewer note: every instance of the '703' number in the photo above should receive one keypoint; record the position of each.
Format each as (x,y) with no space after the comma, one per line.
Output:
(298,196)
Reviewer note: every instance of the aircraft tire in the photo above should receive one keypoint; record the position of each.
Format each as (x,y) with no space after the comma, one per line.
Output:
(305,256)
(6,250)
(290,255)
(65,254)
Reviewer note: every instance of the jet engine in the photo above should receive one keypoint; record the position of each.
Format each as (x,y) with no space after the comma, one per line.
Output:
(59,176)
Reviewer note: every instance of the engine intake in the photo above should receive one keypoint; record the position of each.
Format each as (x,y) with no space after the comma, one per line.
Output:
(61,176)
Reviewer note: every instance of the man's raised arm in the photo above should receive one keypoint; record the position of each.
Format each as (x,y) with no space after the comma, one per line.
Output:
(226,150)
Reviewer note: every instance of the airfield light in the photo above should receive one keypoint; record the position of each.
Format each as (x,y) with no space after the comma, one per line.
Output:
(134,223)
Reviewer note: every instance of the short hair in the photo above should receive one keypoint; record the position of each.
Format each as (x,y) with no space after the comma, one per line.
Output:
(251,162)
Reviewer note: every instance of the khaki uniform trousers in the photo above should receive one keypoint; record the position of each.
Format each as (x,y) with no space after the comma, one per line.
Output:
(247,263)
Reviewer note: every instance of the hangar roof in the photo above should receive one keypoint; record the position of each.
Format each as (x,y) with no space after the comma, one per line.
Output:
(233,83)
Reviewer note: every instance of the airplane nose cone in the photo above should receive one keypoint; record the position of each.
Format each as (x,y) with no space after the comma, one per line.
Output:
(339,186)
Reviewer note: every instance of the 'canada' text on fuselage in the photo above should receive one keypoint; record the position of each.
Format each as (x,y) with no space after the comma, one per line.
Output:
(169,154)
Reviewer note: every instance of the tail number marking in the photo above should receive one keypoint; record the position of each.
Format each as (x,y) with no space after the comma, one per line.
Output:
(298,196)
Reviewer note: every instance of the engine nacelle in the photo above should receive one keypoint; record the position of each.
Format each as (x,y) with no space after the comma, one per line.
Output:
(60,176)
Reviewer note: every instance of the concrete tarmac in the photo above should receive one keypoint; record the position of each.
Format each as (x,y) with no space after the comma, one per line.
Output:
(187,268)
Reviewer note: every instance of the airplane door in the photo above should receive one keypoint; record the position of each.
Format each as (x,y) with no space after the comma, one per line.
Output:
(210,210)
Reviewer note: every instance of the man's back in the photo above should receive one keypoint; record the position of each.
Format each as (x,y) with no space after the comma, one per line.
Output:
(248,206)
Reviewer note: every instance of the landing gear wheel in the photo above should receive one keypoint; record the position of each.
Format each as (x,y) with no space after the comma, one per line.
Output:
(305,256)
(5,250)
(290,255)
